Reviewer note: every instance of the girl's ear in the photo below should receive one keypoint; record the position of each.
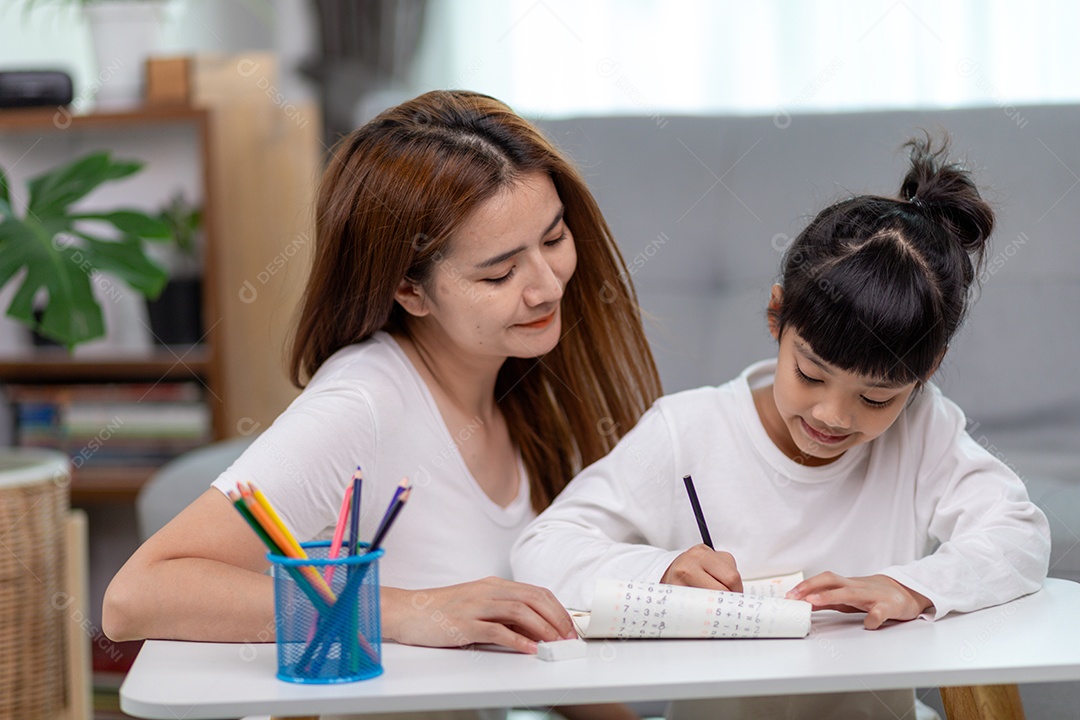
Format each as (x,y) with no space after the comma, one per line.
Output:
(410,295)
(773,312)
(937,363)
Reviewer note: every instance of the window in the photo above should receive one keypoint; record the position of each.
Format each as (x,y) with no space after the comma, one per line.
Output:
(664,57)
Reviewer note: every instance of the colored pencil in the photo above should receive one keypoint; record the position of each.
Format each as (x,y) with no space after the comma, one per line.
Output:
(354,542)
(705,537)
(270,514)
(335,543)
(354,518)
(326,622)
(238,503)
(323,600)
(332,618)
(303,583)
(287,545)
(381,530)
(388,520)
(339,531)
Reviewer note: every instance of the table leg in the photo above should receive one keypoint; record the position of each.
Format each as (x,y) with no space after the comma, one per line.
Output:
(982,702)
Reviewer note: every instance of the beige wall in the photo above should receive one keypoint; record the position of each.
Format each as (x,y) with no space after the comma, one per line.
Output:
(264,158)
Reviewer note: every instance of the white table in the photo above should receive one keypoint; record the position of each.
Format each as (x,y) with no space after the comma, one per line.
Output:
(1034,639)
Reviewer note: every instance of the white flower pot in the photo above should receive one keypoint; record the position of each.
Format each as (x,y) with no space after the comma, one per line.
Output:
(124,34)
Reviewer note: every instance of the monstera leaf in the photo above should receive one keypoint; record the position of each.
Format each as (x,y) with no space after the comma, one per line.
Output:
(62,257)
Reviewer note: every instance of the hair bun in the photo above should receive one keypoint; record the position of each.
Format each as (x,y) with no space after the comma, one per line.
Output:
(947,194)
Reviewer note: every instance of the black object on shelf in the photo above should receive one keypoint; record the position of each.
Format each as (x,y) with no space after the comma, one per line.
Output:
(176,316)
(35,88)
(37,339)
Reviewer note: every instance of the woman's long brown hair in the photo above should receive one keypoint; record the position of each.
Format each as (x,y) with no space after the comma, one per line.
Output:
(392,196)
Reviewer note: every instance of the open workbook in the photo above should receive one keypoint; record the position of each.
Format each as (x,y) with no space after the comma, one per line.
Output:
(630,609)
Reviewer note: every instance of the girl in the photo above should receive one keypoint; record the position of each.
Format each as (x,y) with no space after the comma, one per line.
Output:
(837,459)
(453,332)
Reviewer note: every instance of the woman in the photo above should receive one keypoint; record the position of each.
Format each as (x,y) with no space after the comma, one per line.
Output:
(469,324)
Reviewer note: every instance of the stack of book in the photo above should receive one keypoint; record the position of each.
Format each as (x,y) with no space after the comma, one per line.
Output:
(112,425)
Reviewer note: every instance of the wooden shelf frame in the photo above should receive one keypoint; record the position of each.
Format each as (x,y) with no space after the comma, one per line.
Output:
(108,484)
(202,363)
(199,363)
(164,365)
(60,118)
(259,169)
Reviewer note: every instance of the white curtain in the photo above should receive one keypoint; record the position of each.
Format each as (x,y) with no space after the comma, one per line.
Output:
(665,57)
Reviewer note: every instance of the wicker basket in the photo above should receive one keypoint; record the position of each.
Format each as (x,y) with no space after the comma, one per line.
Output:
(33,606)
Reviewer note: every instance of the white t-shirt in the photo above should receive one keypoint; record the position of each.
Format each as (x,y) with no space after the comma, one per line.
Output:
(922,503)
(368,406)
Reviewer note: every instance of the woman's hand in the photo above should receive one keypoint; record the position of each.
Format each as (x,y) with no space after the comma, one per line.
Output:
(703,567)
(492,610)
(879,596)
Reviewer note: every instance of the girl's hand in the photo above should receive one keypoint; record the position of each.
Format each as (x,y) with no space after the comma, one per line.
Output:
(879,596)
(492,610)
(703,567)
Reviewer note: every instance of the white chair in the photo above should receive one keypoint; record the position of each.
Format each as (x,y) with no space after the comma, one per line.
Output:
(177,483)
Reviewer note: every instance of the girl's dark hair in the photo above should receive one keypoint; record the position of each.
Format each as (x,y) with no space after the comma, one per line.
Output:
(878,286)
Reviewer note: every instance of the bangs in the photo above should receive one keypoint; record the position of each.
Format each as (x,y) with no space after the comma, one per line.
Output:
(867,312)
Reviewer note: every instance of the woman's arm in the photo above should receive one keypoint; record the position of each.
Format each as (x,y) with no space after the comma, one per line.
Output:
(201,578)
(198,578)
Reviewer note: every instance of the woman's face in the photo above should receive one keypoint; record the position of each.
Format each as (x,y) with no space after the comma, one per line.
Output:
(497,290)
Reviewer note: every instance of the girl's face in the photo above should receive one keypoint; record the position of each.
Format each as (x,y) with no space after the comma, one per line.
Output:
(497,291)
(823,411)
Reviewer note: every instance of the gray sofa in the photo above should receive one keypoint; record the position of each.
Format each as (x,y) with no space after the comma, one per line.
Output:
(703,208)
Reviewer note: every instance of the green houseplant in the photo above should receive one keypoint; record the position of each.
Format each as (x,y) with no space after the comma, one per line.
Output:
(63,250)
(176,314)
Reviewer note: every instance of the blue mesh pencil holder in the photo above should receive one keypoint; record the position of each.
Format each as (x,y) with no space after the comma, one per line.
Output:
(327,631)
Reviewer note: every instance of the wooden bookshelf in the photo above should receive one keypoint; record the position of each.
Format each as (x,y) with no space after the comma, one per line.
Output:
(51,366)
(37,119)
(114,484)
(201,363)
(117,434)
(257,167)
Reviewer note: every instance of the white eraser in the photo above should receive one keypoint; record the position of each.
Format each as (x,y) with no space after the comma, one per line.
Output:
(561,649)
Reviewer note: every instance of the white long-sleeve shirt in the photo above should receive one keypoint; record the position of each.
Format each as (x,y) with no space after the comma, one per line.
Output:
(923,503)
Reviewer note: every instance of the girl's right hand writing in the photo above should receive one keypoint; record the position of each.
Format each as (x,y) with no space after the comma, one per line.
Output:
(492,610)
(703,567)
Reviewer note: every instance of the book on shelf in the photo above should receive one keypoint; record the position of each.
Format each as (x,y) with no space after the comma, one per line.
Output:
(112,425)
(632,609)
(108,392)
